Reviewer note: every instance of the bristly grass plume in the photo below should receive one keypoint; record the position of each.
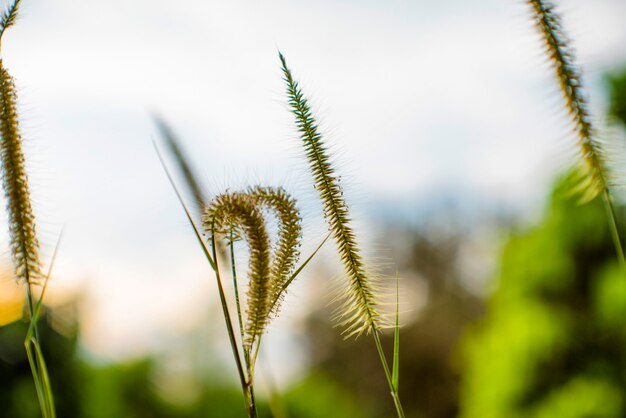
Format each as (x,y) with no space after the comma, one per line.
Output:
(593,174)
(359,311)
(24,244)
(22,231)
(562,58)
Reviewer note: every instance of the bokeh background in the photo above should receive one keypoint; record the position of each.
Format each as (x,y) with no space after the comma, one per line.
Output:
(452,142)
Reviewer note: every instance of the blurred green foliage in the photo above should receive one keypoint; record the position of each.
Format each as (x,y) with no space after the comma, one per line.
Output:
(130,390)
(553,343)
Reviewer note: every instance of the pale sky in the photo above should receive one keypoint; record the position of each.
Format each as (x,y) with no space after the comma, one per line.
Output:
(415,97)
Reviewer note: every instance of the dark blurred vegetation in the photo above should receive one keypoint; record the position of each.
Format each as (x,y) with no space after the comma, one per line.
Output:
(548,341)
(553,342)
(617,87)
(428,382)
(130,390)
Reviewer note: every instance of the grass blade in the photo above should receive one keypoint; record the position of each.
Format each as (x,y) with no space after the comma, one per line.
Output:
(205,250)
(299,269)
(396,342)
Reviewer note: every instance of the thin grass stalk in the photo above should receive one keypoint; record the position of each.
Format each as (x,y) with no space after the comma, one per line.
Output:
(248,385)
(245,384)
(33,349)
(360,307)
(612,217)
(233,269)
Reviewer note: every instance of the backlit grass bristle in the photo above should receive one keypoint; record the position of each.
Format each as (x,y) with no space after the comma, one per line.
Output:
(593,170)
(359,311)
(24,244)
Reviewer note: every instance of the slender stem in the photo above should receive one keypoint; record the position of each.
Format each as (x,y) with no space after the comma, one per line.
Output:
(383,361)
(229,324)
(31,342)
(45,380)
(36,359)
(31,337)
(248,392)
(246,383)
(610,209)
(234,273)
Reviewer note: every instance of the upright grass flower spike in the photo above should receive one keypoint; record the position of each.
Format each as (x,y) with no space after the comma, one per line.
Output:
(359,311)
(593,171)
(24,244)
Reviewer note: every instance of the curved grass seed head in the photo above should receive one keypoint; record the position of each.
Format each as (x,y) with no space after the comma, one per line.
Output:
(267,272)
(287,247)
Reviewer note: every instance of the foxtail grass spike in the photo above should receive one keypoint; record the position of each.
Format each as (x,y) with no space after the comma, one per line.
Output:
(359,311)
(24,244)
(592,176)
(593,171)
